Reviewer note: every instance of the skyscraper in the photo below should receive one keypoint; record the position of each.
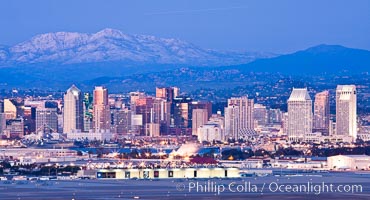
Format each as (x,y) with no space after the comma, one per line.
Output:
(144,107)
(181,112)
(133,97)
(46,120)
(246,106)
(1,106)
(101,115)
(88,107)
(202,105)
(162,114)
(260,114)
(29,117)
(346,111)
(10,109)
(299,115)
(321,113)
(122,122)
(73,115)
(275,116)
(168,93)
(2,123)
(199,118)
(232,121)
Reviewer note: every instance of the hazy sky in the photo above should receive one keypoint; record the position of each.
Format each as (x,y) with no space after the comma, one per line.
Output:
(252,25)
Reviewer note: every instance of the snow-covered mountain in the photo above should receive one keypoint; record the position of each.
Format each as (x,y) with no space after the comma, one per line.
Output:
(109,45)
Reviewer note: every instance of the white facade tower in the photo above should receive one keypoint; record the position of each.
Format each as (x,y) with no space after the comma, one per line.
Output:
(346,111)
(299,115)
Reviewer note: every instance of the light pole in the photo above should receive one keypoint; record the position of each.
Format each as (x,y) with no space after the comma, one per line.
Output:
(56,169)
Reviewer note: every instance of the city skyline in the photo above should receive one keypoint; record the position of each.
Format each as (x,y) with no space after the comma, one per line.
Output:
(168,112)
(185,99)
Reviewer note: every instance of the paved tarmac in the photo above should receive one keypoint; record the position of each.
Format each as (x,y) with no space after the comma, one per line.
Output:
(268,188)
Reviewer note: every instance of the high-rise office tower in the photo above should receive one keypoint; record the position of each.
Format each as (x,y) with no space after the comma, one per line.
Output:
(168,93)
(144,107)
(101,115)
(133,97)
(1,106)
(275,116)
(29,117)
(122,122)
(285,122)
(88,109)
(232,122)
(10,109)
(199,118)
(161,114)
(202,105)
(321,113)
(2,122)
(246,106)
(346,111)
(73,115)
(260,114)
(181,112)
(46,120)
(299,115)
(152,130)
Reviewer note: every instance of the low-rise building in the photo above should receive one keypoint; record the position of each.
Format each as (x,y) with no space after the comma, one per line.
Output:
(91,135)
(167,173)
(349,162)
(210,132)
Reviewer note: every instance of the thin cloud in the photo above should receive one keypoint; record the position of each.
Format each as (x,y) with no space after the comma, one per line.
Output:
(194,11)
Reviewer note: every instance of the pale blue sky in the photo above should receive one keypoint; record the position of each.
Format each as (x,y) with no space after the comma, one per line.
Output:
(252,25)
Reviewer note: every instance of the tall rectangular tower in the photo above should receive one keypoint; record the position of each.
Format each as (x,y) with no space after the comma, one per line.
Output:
(321,112)
(232,122)
(246,106)
(346,111)
(46,120)
(299,115)
(101,115)
(73,115)
(199,118)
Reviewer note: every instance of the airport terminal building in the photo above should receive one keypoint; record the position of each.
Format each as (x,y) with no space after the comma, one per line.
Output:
(162,173)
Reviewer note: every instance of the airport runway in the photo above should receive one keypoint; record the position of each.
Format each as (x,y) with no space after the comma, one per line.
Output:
(246,188)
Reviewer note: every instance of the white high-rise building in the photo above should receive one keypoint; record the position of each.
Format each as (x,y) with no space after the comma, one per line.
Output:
(246,106)
(73,116)
(232,121)
(299,115)
(346,111)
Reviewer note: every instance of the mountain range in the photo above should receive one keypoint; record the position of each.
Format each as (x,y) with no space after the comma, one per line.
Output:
(111,57)
(318,59)
(110,45)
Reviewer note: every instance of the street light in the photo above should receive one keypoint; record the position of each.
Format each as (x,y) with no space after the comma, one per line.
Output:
(56,169)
